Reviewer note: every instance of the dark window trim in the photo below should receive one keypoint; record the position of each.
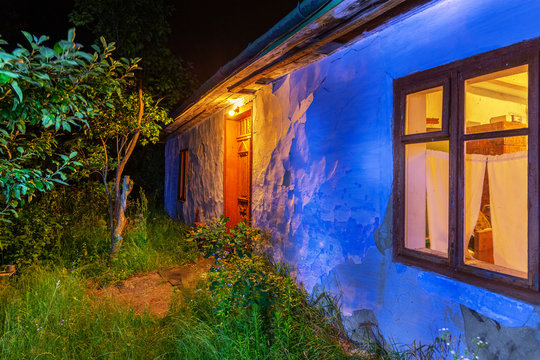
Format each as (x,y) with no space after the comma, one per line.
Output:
(453,76)
(182,175)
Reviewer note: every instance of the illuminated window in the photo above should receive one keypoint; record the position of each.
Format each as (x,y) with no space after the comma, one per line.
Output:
(182,175)
(466,170)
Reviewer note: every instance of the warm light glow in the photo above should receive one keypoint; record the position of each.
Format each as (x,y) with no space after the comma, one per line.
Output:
(238,102)
(231,112)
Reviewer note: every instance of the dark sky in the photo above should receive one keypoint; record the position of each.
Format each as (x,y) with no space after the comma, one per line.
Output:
(205,33)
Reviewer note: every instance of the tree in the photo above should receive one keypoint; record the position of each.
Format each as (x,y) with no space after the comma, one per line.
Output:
(108,144)
(141,29)
(45,94)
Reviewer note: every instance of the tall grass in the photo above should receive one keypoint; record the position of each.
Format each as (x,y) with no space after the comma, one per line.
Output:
(51,310)
(51,314)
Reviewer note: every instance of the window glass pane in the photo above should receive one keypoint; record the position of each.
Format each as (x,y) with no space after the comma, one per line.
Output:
(497,101)
(424,111)
(496,204)
(426,197)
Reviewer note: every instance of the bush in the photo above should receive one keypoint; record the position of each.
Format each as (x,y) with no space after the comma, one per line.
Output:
(68,227)
(64,226)
(256,304)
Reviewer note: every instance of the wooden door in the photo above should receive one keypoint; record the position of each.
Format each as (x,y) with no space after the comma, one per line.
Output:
(238,168)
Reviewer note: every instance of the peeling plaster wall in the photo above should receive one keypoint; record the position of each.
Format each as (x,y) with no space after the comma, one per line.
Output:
(205,146)
(323,169)
(323,172)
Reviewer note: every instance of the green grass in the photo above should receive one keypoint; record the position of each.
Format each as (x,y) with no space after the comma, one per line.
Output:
(52,314)
(248,308)
(51,310)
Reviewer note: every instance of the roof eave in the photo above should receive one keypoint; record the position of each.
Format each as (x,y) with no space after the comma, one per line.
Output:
(322,34)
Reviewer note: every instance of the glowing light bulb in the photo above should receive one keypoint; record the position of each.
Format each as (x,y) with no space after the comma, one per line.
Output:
(231,112)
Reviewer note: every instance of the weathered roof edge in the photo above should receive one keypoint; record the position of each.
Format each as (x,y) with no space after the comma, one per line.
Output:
(268,41)
(366,12)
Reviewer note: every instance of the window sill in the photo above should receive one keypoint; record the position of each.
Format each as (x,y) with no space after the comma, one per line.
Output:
(509,288)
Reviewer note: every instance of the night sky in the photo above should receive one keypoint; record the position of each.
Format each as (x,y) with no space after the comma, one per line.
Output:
(206,34)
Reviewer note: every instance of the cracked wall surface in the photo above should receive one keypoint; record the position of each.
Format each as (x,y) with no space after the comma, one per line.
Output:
(323,170)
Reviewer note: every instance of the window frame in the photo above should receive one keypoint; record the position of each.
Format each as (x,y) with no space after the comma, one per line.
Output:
(452,77)
(181,188)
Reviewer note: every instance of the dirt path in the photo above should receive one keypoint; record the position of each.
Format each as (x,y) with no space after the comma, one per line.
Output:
(153,291)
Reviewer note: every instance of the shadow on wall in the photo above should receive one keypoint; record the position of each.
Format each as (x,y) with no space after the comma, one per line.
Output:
(503,342)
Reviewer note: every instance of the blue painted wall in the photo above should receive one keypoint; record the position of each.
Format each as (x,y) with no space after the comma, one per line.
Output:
(323,173)
(330,220)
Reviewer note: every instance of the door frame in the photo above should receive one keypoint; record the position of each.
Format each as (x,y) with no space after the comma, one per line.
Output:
(238,117)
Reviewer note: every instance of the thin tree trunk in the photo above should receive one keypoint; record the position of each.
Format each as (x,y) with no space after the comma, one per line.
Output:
(110,201)
(121,193)
(127,186)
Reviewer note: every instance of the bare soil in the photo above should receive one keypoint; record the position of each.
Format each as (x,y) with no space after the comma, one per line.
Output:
(153,291)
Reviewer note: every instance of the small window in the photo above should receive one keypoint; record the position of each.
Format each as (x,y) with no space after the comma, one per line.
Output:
(424,111)
(466,147)
(182,175)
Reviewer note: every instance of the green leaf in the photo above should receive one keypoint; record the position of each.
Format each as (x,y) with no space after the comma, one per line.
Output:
(58,49)
(9,74)
(47,52)
(4,78)
(59,182)
(73,154)
(28,37)
(71,34)
(21,126)
(17,89)
(65,45)
(42,38)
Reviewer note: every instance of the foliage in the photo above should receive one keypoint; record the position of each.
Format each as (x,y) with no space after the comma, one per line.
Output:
(109,143)
(444,346)
(252,297)
(153,241)
(47,92)
(104,143)
(141,29)
(66,225)
(52,312)
(450,344)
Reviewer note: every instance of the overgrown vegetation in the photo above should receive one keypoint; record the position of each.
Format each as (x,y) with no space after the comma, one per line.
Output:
(248,308)
(68,228)
(257,303)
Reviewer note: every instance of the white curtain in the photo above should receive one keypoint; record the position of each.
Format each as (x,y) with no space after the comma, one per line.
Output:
(475,170)
(508,195)
(437,182)
(415,197)
(437,189)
